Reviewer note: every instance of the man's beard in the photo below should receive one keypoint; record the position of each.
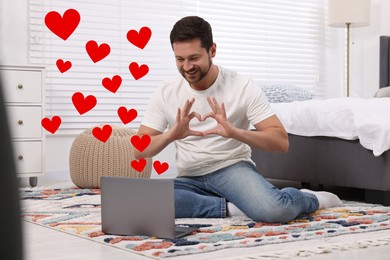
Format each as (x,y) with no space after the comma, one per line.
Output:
(197,74)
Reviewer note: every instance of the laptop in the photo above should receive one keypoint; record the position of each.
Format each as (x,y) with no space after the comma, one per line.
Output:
(136,206)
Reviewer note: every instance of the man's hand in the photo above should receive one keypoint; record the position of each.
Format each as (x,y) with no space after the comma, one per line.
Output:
(181,128)
(224,127)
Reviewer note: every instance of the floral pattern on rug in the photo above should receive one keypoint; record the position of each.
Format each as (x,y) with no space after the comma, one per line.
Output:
(77,211)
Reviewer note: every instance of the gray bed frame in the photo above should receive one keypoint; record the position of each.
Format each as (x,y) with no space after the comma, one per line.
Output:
(334,161)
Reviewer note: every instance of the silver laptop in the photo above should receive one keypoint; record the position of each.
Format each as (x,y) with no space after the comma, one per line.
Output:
(133,206)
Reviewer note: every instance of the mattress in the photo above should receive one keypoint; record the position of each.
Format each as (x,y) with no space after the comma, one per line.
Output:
(366,120)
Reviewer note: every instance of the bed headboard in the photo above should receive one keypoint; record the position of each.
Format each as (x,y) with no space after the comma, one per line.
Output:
(384,61)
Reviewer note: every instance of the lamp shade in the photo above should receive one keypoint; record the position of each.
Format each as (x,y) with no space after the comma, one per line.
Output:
(355,12)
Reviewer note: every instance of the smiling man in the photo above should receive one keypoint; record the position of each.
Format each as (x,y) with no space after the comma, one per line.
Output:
(208,113)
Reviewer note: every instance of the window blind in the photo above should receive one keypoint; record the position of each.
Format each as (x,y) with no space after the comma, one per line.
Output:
(274,41)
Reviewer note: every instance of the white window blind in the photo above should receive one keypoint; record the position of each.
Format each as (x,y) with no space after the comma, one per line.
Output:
(274,41)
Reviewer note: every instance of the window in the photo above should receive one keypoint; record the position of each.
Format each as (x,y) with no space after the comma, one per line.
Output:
(274,41)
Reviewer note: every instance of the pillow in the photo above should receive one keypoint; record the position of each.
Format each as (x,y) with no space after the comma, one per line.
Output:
(286,93)
(383,92)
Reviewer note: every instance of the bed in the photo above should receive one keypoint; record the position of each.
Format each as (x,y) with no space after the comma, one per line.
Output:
(360,159)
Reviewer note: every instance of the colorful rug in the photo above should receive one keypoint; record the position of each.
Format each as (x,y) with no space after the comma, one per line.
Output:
(77,211)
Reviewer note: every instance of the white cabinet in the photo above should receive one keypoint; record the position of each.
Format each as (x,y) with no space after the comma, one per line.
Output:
(23,93)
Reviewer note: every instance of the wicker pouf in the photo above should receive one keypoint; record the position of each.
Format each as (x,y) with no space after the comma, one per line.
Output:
(90,158)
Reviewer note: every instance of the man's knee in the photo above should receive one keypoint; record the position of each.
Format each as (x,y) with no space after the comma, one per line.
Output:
(273,214)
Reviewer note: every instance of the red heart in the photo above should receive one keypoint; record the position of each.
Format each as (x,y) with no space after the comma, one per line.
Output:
(63,66)
(140,143)
(102,134)
(82,104)
(64,26)
(112,84)
(51,125)
(97,52)
(139,39)
(138,165)
(160,167)
(138,71)
(127,115)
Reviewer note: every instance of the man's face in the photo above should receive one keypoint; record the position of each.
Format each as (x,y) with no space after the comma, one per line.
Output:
(192,60)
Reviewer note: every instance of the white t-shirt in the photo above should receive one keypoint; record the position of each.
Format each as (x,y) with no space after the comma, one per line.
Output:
(245,104)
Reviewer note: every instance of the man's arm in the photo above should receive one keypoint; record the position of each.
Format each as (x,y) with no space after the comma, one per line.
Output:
(158,142)
(269,135)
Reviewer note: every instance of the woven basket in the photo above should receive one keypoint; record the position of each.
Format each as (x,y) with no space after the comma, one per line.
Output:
(90,158)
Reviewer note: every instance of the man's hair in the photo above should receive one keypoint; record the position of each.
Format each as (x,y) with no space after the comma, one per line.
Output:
(192,27)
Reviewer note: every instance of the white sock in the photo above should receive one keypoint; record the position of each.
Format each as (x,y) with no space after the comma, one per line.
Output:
(233,210)
(326,199)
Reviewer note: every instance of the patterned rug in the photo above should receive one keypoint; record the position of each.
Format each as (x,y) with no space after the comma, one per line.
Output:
(77,211)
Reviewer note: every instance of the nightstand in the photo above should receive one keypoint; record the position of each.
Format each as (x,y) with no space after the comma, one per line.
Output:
(23,93)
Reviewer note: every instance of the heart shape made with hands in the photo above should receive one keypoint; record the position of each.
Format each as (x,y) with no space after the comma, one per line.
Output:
(62,26)
(102,134)
(112,84)
(52,124)
(138,165)
(83,104)
(97,52)
(201,119)
(63,66)
(141,38)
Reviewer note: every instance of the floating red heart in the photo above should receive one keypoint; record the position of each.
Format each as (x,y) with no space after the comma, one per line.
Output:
(140,143)
(139,39)
(138,71)
(64,26)
(63,66)
(83,105)
(97,52)
(127,115)
(112,84)
(159,167)
(51,125)
(102,134)
(138,165)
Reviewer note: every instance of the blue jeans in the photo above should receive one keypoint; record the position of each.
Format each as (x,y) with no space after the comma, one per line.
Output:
(206,196)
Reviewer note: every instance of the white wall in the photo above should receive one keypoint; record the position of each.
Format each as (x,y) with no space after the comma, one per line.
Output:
(364,69)
(365,50)
(364,55)
(13,31)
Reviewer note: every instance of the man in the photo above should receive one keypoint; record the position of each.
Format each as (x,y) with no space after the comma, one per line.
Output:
(208,113)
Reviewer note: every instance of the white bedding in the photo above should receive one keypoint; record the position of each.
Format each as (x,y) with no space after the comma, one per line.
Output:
(348,118)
